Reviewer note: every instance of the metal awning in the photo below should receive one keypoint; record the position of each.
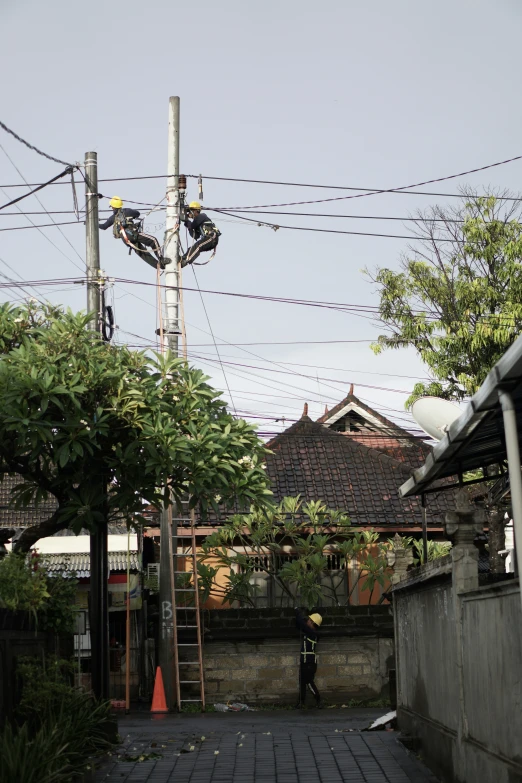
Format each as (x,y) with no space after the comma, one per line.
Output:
(476,439)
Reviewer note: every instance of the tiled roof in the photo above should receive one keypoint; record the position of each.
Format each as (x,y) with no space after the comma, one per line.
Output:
(319,464)
(20,518)
(384,435)
(81,563)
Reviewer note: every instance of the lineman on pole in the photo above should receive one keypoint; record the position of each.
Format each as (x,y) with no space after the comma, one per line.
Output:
(202,230)
(146,246)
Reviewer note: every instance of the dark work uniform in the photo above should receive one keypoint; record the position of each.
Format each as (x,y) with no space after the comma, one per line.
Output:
(308,659)
(203,230)
(123,228)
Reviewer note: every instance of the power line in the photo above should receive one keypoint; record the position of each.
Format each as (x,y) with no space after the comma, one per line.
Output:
(215,343)
(319,230)
(309,377)
(13,164)
(40,187)
(343,369)
(389,190)
(334,215)
(32,147)
(41,225)
(365,191)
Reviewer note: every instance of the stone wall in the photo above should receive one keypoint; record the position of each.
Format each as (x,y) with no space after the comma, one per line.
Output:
(253,655)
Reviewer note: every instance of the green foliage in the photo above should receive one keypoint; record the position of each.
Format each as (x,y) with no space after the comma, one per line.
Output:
(457,299)
(33,759)
(436,549)
(63,727)
(25,585)
(78,416)
(312,531)
(46,685)
(60,610)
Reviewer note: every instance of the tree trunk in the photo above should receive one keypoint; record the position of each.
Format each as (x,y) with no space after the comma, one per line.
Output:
(497,541)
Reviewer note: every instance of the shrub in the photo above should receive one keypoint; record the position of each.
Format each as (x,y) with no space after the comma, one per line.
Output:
(26,585)
(63,727)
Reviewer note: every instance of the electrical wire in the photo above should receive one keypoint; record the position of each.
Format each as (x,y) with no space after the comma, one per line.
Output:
(214,339)
(319,230)
(366,191)
(32,147)
(40,187)
(13,164)
(41,225)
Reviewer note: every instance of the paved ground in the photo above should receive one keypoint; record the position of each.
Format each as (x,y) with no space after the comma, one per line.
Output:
(261,747)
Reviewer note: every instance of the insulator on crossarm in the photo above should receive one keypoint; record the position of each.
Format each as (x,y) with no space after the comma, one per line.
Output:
(200,188)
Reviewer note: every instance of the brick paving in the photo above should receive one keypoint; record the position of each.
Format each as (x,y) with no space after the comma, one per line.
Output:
(261,747)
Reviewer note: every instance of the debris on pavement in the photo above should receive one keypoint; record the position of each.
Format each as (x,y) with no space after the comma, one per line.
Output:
(235,706)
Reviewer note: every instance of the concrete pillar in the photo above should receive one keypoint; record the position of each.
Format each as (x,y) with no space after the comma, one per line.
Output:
(400,558)
(462,525)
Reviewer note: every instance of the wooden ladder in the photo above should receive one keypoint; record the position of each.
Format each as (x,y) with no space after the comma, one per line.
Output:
(186,618)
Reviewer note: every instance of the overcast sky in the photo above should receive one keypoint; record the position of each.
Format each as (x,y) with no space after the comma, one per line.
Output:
(360,94)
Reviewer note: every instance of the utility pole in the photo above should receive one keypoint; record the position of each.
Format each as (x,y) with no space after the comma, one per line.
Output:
(171,329)
(99,606)
(92,257)
(172,271)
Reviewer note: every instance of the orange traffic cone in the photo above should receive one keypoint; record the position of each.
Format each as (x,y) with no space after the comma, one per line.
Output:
(159,703)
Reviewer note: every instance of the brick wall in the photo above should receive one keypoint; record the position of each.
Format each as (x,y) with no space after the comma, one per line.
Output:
(253,655)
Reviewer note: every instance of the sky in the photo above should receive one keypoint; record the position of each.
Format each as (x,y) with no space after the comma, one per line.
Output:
(365,95)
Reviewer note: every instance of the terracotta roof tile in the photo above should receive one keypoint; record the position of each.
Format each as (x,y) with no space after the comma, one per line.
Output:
(20,518)
(346,475)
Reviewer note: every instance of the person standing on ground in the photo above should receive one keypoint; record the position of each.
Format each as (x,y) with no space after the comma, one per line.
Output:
(309,626)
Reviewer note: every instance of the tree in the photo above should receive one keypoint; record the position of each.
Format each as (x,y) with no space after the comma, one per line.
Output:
(101,429)
(457,298)
(311,532)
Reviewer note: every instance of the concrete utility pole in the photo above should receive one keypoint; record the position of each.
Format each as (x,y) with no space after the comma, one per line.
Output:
(99,606)
(171,329)
(172,271)
(92,255)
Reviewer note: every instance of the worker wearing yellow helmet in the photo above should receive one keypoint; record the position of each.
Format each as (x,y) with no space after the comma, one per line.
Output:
(309,626)
(124,227)
(202,230)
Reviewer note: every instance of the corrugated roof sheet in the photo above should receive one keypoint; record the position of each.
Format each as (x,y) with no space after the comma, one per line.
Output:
(81,563)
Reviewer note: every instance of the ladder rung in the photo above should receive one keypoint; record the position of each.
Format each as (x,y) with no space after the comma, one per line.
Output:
(185,626)
(188,663)
(184,589)
(191,699)
(189,682)
(189,644)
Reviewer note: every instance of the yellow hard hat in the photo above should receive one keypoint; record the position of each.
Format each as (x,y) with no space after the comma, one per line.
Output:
(194,205)
(116,202)
(316,618)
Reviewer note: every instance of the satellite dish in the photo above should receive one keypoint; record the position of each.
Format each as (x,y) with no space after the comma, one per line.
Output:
(435,415)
